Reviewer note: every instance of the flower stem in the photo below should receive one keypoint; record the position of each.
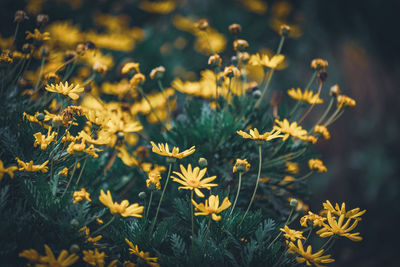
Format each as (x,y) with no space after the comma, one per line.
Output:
(40,74)
(255,188)
(338,113)
(237,194)
(15,34)
(280,233)
(161,199)
(70,179)
(311,107)
(161,87)
(80,174)
(326,112)
(105,225)
(148,208)
(191,205)
(326,243)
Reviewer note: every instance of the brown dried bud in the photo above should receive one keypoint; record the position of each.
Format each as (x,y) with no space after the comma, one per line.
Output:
(202,24)
(240,45)
(285,29)
(215,60)
(157,73)
(322,76)
(235,28)
(42,19)
(20,16)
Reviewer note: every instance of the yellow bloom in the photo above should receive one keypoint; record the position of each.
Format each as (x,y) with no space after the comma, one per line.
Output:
(99,221)
(336,227)
(152,261)
(255,135)
(154,180)
(338,211)
(9,170)
(43,141)
(94,258)
(287,179)
(159,7)
(192,179)
(292,234)
(124,208)
(63,172)
(344,100)
(30,167)
(242,164)
(265,61)
(319,64)
(163,150)
(211,207)
(37,35)
(314,218)
(256,6)
(81,195)
(306,96)
(66,89)
(90,239)
(321,129)
(80,148)
(317,164)
(290,129)
(130,66)
(292,167)
(63,260)
(30,254)
(307,256)
(157,72)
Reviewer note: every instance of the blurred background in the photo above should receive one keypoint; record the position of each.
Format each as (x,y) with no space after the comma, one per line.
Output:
(358,38)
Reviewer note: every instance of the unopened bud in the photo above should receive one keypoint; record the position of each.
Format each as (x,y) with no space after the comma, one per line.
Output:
(142,195)
(293,202)
(74,248)
(42,19)
(40,116)
(203,162)
(256,94)
(74,222)
(20,16)
(235,28)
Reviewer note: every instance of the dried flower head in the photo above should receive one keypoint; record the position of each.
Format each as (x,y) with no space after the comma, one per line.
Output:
(215,60)
(319,64)
(235,28)
(202,24)
(157,73)
(240,45)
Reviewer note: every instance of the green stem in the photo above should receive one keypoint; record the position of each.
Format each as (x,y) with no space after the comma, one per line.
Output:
(15,34)
(40,74)
(327,242)
(237,194)
(329,121)
(280,233)
(191,205)
(335,118)
(312,106)
(277,149)
(70,179)
(80,174)
(151,107)
(326,111)
(148,208)
(258,179)
(161,198)
(105,225)
(309,234)
(161,87)
(265,89)
(278,51)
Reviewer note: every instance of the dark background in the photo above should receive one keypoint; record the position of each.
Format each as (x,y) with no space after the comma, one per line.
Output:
(360,41)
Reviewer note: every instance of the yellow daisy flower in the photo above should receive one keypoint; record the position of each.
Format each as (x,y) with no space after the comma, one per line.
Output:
(30,167)
(37,35)
(345,101)
(336,227)
(242,165)
(63,260)
(321,129)
(81,195)
(212,207)
(163,150)
(152,261)
(292,167)
(316,219)
(307,256)
(94,258)
(338,211)
(292,234)
(153,180)
(191,179)
(124,209)
(317,164)
(66,89)
(43,141)
(265,61)
(255,135)
(9,170)
(290,129)
(306,96)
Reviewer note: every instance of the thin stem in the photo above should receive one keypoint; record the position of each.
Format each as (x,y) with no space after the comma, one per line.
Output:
(258,179)
(40,74)
(148,208)
(313,104)
(280,233)
(328,121)
(80,174)
(278,51)
(265,89)
(161,87)
(161,198)
(326,111)
(277,149)
(309,234)
(335,118)
(326,243)
(237,194)
(15,34)
(191,205)
(151,107)
(105,225)
(70,179)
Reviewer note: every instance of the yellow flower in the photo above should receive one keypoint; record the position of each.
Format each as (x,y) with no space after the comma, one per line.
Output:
(292,167)
(314,218)
(344,100)
(130,66)
(255,135)
(211,207)
(159,7)
(30,254)
(163,150)
(94,258)
(30,167)
(9,170)
(66,89)
(321,129)
(81,195)
(265,61)
(336,227)
(44,140)
(124,208)
(90,239)
(306,96)
(37,35)
(307,256)
(290,129)
(63,260)
(292,234)
(152,261)
(317,164)
(192,179)
(287,179)
(319,64)
(338,211)
(80,148)
(242,165)
(63,172)
(99,221)
(154,180)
